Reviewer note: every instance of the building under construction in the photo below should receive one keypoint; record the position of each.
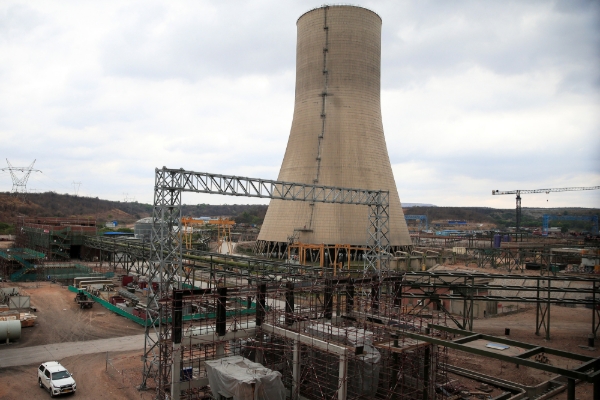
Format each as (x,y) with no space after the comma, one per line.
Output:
(229,327)
(58,238)
(234,326)
(44,248)
(305,337)
(222,326)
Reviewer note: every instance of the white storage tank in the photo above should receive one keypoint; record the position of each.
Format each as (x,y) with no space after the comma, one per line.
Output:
(10,330)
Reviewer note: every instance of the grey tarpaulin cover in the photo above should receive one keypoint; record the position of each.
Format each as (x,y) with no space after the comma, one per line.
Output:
(235,376)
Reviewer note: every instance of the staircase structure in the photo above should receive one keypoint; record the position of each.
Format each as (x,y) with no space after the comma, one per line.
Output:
(18,262)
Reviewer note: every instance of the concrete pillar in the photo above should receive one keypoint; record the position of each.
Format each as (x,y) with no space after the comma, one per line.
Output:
(176,372)
(296,371)
(220,350)
(343,376)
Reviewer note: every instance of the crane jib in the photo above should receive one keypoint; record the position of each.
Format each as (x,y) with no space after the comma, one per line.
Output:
(568,189)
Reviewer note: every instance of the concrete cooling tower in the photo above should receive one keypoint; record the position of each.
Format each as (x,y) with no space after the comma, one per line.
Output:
(337,136)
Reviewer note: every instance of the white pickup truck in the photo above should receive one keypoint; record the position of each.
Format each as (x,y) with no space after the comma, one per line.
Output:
(56,379)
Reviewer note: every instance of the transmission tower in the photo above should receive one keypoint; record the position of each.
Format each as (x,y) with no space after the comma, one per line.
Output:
(76,187)
(20,183)
(129,200)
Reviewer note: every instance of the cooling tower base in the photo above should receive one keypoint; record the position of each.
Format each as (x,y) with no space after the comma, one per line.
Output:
(316,253)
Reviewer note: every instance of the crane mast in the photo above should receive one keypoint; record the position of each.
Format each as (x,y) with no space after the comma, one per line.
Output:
(519,191)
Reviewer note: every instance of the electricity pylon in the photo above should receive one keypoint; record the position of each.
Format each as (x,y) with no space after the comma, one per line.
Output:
(76,187)
(20,184)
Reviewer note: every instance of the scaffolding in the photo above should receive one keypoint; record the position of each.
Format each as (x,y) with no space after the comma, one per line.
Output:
(297,296)
(16,262)
(327,338)
(167,268)
(57,238)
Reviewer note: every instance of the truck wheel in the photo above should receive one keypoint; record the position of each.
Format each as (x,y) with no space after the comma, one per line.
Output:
(40,383)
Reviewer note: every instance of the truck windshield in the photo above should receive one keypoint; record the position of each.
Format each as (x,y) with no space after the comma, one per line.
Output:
(60,375)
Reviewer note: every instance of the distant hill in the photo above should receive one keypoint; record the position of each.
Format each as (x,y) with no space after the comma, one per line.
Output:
(407,205)
(500,217)
(52,204)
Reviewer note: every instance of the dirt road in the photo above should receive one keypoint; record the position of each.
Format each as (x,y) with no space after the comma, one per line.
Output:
(94,379)
(58,351)
(79,339)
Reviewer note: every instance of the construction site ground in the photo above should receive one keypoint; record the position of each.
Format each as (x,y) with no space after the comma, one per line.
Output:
(116,375)
(569,331)
(59,318)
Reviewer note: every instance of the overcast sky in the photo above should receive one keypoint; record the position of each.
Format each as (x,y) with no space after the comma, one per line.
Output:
(476,95)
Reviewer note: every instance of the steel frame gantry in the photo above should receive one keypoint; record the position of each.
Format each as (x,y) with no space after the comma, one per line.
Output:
(588,369)
(131,255)
(166,244)
(465,288)
(226,264)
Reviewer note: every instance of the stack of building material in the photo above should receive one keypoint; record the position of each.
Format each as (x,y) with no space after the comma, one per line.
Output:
(8,315)
(27,320)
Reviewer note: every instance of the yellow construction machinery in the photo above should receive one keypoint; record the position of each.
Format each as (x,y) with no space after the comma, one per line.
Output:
(223,231)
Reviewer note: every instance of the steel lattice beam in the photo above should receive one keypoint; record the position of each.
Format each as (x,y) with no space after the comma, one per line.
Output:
(202,182)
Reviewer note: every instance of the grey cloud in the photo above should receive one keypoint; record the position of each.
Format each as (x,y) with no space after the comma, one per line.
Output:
(229,44)
(576,6)
(17,21)
(503,166)
(505,37)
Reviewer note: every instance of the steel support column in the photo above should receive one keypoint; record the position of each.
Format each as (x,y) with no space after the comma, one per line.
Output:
(542,310)
(595,312)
